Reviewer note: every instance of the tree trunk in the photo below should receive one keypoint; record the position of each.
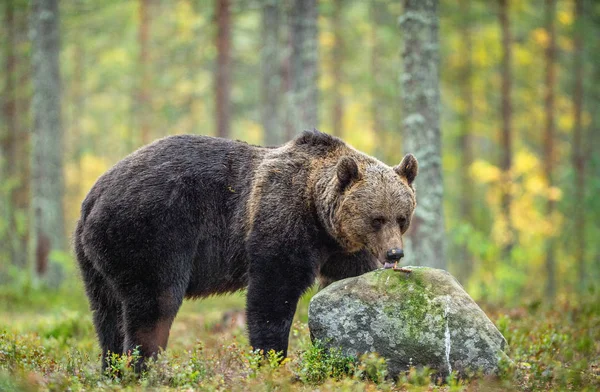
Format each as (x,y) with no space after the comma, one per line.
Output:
(46,143)
(78,108)
(337,62)
(21,195)
(287,85)
(143,99)
(549,140)
(422,136)
(465,139)
(223,72)
(304,64)
(578,153)
(378,127)
(506,131)
(10,104)
(9,158)
(271,77)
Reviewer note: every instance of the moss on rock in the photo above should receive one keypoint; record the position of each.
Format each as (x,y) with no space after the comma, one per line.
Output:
(421,318)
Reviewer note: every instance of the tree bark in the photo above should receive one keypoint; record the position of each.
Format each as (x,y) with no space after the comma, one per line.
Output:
(271,77)
(378,127)
(549,141)
(337,61)
(9,136)
(304,65)
(46,147)
(223,72)
(21,195)
(465,139)
(78,108)
(578,152)
(506,130)
(144,98)
(9,163)
(422,136)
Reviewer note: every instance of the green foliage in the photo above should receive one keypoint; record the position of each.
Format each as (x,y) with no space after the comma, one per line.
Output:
(319,363)
(551,348)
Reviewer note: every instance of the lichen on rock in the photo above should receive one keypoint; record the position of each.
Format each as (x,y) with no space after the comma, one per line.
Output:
(421,318)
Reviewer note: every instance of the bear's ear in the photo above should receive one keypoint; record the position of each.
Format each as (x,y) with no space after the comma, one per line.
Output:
(347,171)
(408,168)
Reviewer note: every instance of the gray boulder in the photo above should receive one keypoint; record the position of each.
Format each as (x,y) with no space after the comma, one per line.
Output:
(421,318)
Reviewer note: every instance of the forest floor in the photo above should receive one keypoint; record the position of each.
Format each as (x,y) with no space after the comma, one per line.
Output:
(47,342)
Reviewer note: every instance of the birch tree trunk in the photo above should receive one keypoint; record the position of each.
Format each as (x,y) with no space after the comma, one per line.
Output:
(304,65)
(271,77)
(421,108)
(46,142)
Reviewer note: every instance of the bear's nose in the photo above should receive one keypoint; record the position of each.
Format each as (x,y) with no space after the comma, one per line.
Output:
(394,254)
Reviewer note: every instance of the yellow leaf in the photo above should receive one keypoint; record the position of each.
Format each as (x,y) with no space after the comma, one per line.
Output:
(565,18)
(485,172)
(540,36)
(524,162)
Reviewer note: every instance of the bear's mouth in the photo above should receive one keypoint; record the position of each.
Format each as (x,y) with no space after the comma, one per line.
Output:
(388,265)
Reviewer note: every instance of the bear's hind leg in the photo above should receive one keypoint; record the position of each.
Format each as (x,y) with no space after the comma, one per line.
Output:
(104,304)
(147,317)
(106,308)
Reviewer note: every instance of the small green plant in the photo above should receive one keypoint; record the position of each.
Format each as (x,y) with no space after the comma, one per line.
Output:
(120,366)
(372,367)
(319,363)
(275,359)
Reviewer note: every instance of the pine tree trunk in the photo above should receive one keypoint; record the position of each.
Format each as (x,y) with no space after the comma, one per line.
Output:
(143,99)
(223,72)
(9,138)
(578,153)
(10,105)
(465,141)
(304,64)
(337,62)
(271,77)
(506,131)
(47,188)
(21,195)
(549,141)
(422,136)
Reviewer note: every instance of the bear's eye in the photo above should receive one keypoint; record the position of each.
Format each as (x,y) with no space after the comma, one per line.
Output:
(402,223)
(378,223)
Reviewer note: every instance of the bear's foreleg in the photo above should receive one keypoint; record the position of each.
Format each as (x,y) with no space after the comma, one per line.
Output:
(275,286)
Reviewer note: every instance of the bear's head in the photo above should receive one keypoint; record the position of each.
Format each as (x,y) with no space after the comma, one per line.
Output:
(375,206)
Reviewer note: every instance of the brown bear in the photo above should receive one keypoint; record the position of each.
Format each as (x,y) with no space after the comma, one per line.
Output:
(191,216)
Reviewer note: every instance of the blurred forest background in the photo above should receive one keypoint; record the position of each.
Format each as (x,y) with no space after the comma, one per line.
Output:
(519,116)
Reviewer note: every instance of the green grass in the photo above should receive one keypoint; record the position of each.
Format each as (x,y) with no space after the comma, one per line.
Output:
(47,342)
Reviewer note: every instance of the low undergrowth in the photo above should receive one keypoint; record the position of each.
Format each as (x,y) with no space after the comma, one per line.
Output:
(55,349)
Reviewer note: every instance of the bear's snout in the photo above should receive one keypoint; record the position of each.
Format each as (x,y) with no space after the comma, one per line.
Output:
(394,254)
